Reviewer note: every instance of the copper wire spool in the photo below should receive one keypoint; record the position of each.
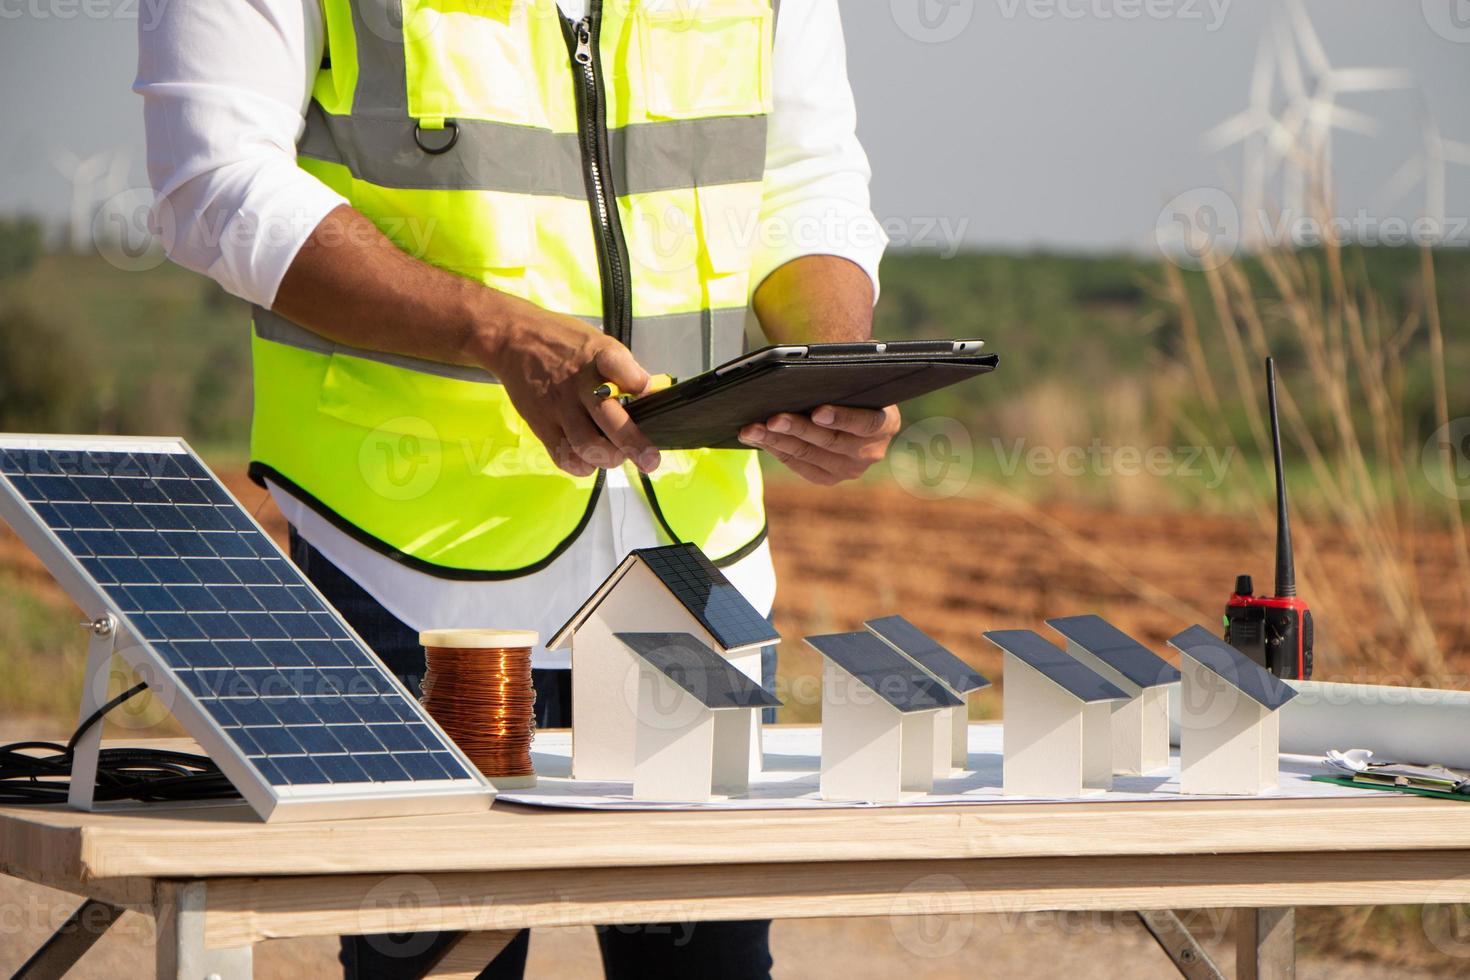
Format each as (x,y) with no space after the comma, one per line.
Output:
(478,688)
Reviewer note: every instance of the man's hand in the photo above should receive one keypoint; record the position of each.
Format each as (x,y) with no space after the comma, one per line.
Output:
(833,445)
(549,365)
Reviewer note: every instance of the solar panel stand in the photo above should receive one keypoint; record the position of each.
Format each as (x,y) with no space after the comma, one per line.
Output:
(952,725)
(687,753)
(871,751)
(1229,744)
(81,794)
(1140,725)
(1229,718)
(1055,744)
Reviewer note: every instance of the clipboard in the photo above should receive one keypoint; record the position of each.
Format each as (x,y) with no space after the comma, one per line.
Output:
(708,411)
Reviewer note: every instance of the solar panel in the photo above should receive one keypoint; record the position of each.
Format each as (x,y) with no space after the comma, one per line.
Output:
(1240,671)
(1056,665)
(709,596)
(293,706)
(709,677)
(888,673)
(1117,649)
(928,653)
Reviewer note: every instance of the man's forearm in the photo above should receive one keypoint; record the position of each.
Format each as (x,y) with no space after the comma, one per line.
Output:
(350,283)
(816,299)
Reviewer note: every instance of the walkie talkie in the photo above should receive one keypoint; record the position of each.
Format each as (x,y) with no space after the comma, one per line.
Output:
(1274,631)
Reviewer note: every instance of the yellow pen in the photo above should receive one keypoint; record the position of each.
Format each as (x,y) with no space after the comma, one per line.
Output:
(658,382)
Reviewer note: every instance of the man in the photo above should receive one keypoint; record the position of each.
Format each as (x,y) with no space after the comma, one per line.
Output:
(455,221)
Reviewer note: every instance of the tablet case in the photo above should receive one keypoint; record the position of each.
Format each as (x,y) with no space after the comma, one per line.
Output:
(710,411)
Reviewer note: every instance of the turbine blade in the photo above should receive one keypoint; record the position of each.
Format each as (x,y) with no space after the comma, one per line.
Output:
(1403,179)
(1311,44)
(1368,79)
(1262,76)
(1231,131)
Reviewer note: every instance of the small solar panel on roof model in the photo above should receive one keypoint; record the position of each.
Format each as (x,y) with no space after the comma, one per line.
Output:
(708,595)
(290,703)
(1241,672)
(709,677)
(885,671)
(1117,649)
(1055,664)
(928,653)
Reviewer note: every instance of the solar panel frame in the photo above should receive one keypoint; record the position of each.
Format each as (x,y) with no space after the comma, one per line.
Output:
(872,662)
(74,572)
(699,671)
(928,653)
(1056,665)
(702,588)
(1234,667)
(1133,661)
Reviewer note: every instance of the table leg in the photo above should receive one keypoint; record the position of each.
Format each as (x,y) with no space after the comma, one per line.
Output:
(1174,937)
(70,943)
(464,958)
(178,910)
(1265,944)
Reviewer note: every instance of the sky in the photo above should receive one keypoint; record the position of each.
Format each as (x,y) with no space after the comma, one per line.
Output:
(1006,124)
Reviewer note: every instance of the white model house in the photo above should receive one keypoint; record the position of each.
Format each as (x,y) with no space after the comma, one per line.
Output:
(696,713)
(1140,724)
(1229,729)
(879,711)
(952,731)
(673,589)
(1058,720)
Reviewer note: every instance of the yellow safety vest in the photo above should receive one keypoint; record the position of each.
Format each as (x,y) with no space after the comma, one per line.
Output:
(611,170)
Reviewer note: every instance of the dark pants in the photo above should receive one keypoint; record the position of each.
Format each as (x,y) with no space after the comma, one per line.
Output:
(733,950)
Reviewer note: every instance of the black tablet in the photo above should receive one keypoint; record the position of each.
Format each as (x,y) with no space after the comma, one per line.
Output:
(708,411)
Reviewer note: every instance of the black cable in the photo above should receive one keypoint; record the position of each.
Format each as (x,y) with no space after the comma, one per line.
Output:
(144,775)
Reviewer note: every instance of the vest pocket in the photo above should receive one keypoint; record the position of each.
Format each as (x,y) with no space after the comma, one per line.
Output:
(706,58)
(469,59)
(445,412)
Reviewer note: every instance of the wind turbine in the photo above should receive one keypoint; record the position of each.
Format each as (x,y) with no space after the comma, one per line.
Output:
(1429,164)
(1264,140)
(1312,110)
(92,178)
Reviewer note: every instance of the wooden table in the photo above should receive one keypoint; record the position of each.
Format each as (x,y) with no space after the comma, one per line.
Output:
(218,880)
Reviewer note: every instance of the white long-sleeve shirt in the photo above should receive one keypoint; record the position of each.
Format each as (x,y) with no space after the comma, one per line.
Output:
(225,88)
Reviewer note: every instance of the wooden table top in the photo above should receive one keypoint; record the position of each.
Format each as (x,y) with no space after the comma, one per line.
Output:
(59,844)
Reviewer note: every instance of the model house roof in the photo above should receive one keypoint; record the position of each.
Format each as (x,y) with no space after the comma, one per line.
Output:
(888,673)
(1056,665)
(924,650)
(1117,649)
(709,677)
(698,585)
(1234,667)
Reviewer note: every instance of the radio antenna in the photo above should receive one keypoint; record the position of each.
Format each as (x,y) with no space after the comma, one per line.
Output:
(1285,566)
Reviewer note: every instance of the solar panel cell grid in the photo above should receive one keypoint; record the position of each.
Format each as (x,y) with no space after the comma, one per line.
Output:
(709,596)
(266,659)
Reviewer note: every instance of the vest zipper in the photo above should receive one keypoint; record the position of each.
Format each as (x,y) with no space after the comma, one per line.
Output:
(612,247)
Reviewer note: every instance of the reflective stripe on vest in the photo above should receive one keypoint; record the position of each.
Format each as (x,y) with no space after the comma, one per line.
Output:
(428,462)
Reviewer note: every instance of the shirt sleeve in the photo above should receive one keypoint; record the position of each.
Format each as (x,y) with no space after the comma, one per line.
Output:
(816,196)
(225,87)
